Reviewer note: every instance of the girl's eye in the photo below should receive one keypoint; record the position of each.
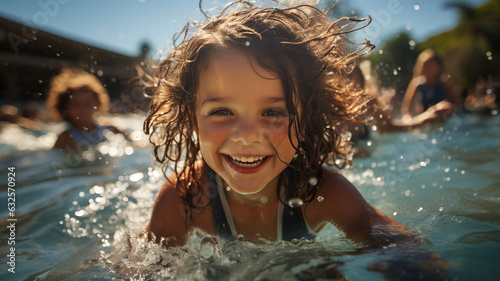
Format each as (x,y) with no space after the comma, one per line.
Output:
(220,112)
(275,113)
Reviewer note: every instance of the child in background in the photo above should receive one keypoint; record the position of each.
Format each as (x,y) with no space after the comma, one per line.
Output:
(75,96)
(247,114)
(429,87)
(381,111)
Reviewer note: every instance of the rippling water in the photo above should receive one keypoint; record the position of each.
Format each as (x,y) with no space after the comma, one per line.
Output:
(77,216)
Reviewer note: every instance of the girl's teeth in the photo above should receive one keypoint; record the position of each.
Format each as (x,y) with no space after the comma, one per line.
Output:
(247,162)
(247,159)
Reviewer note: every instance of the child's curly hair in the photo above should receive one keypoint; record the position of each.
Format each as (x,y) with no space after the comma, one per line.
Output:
(310,56)
(68,80)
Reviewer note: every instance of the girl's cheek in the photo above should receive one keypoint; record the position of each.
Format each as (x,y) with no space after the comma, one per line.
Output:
(278,125)
(214,128)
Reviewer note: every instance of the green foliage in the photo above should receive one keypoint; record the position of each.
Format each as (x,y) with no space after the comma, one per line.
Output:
(392,64)
(472,49)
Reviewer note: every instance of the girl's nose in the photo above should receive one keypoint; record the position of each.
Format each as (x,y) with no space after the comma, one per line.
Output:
(247,132)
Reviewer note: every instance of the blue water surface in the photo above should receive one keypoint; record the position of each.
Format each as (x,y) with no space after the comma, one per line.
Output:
(76,215)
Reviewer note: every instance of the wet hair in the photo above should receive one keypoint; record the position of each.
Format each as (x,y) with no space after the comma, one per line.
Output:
(68,81)
(309,54)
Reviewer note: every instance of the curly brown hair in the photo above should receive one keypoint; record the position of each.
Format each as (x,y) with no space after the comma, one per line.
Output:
(68,80)
(310,55)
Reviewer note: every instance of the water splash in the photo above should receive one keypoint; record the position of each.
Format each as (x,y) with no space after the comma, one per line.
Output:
(313,181)
(295,202)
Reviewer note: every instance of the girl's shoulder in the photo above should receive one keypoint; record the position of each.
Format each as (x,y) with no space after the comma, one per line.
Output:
(334,181)
(337,201)
(168,218)
(172,216)
(177,186)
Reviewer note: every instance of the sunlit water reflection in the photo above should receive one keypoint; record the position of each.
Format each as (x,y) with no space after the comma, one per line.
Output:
(77,217)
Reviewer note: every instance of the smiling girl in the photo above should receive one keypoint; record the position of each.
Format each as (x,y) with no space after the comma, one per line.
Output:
(247,112)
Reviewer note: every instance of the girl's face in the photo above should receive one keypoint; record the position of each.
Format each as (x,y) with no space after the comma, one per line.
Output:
(243,122)
(430,68)
(81,107)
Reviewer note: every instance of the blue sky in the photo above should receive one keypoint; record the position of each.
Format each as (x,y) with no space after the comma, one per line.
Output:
(121,25)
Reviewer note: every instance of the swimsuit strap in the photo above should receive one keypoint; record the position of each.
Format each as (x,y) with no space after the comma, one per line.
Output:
(294,224)
(222,227)
(290,221)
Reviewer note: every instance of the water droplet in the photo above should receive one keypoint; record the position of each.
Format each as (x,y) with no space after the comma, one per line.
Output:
(247,43)
(228,188)
(441,209)
(420,209)
(395,213)
(320,198)
(295,202)
(369,143)
(380,52)
(313,181)
(416,7)
(264,199)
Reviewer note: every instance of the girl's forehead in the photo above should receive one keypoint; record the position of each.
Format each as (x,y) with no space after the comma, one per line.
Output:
(235,75)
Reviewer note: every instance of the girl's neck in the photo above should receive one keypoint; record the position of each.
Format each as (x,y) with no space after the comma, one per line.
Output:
(267,195)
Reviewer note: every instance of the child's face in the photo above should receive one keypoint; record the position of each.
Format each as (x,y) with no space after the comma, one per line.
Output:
(243,122)
(81,107)
(430,68)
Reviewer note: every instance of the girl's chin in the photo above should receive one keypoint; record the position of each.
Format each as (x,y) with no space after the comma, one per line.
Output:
(245,187)
(246,191)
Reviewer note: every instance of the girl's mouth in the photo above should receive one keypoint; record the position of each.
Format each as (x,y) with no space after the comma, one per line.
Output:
(249,164)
